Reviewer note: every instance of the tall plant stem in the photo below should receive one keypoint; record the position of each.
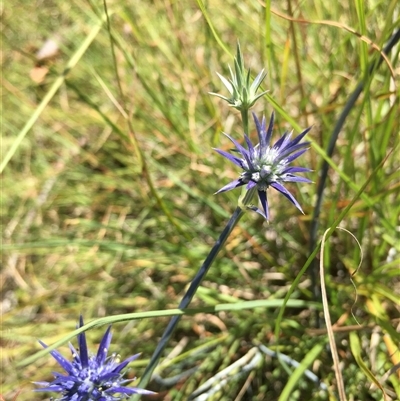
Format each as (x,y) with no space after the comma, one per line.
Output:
(194,285)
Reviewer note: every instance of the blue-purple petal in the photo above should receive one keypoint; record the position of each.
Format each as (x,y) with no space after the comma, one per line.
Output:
(264,202)
(295,155)
(103,347)
(249,146)
(295,178)
(108,376)
(74,353)
(257,210)
(250,184)
(49,388)
(230,157)
(287,151)
(64,363)
(280,141)
(83,350)
(287,194)
(301,136)
(291,170)
(125,363)
(239,147)
(286,144)
(260,126)
(232,185)
(241,150)
(41,383)
(270,129)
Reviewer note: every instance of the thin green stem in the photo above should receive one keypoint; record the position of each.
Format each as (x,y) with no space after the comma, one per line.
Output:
(245,120)
(113,51)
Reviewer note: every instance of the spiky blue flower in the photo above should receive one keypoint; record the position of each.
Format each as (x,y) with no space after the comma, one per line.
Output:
(91,377)
(267,166)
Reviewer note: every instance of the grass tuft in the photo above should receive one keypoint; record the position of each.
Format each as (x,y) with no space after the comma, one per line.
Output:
(108,177)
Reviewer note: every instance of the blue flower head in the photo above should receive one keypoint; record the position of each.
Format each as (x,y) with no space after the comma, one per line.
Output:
(91,377)
(267,166)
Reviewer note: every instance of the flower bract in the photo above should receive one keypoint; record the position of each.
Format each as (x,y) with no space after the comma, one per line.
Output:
(265,165)
(243,93)
(91,377)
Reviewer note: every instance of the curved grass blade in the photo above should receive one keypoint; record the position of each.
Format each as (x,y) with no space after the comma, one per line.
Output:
(265,303)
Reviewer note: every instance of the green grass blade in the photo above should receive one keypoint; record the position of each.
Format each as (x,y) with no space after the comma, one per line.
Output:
(163,313)
(355,347)
(52,91)
(299,372)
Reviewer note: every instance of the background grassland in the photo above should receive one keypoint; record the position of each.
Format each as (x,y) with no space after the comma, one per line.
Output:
(108,206)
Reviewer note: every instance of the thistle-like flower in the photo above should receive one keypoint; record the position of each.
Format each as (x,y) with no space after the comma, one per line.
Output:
(267,166)
(243,93)
(91,377)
